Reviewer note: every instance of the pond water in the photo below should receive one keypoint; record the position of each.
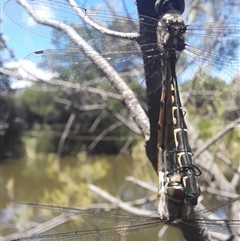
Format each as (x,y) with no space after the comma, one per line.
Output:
(43,179)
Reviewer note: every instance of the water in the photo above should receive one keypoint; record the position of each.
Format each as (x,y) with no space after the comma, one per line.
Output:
(45,181)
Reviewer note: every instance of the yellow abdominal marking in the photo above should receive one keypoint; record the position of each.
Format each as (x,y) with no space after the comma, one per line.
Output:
(174,119)
(184,180)
(175,135)
(179,155)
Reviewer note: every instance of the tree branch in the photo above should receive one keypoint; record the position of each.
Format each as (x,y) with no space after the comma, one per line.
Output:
(129,99)
(102,134)
(215,138)
(82,14)
(120,204)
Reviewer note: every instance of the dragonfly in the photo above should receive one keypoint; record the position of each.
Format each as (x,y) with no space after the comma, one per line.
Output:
(151,50)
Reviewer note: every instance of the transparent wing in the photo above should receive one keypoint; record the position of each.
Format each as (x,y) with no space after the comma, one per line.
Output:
(69,14)
(103,234)
(212,49)
(125,225)
(71,70)
(109,225)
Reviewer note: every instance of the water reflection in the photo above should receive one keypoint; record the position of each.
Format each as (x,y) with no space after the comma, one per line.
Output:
(65,183)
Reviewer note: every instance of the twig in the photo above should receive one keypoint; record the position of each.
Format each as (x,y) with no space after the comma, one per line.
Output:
(120,204)
(29,231)
(125,147)
(130,124)
(97,121)
(206,160)
(216,137)
(236,178)
(103,133)
(142,184)
(65,134)
(103,30)
(129,99)
(63,84)
(219,192)
(79,107)
(228,162)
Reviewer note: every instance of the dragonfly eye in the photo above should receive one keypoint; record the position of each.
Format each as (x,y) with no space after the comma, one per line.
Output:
(163,6)
(175,191)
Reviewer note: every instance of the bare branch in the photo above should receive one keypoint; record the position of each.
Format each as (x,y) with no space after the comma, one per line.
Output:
(130,124)
(63,84)
(142,184)
(80,107)
(206,162)
(124,206)
(125,146)
(128,96)
(219,135)
(65,134)
(32,229)
(236,178)
(86,19)
(228,163)
(97,121)
(103,133)
(218,192)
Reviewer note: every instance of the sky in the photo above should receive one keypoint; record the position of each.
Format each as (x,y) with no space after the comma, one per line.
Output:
(24,42)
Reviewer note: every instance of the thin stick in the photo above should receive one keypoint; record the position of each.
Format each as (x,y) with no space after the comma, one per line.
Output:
(219,135)
(124,206)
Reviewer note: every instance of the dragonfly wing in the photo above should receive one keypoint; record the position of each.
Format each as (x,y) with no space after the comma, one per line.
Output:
(111,226)
(72,15)
(70,69)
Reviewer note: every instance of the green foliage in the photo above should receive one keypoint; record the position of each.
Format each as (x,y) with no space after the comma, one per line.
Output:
(44,110)
(41,103)
(12,126)
(231,142)
(207,96)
